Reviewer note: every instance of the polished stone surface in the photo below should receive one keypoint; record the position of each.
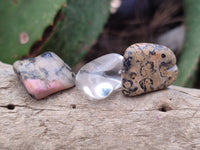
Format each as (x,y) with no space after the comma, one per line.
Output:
(146,68)
(44,74)
(100,77)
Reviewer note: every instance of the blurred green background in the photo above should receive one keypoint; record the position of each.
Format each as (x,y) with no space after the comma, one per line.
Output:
(81,30)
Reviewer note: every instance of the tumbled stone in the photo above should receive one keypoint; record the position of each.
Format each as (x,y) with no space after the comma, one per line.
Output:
(100,77)
(147,67)
(44,74)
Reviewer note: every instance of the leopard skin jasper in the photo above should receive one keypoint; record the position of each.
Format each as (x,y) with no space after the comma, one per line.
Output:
(44,74)
(146,68)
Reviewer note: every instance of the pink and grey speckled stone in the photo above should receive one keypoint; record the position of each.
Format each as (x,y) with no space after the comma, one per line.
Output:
(146,68)
(44,74)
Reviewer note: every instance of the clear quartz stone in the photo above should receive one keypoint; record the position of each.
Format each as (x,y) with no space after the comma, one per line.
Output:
(100,77)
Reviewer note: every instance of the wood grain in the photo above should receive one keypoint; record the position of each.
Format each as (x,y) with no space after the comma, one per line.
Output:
(166,119)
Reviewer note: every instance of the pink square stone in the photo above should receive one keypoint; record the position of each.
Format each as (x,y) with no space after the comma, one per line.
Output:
(44,75)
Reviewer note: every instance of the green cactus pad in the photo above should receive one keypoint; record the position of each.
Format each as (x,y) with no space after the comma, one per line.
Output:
(22,23)
(81,24)
(189,58)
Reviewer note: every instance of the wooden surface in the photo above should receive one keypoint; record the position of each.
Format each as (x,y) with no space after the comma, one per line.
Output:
(167,119)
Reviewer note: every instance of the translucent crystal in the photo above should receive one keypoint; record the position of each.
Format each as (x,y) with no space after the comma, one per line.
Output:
(100,77)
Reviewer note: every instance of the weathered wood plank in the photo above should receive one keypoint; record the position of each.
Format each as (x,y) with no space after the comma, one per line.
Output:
(167,119)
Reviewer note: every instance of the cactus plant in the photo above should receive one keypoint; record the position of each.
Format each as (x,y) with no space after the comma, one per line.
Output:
(23,23)
(82,21)
(189,58)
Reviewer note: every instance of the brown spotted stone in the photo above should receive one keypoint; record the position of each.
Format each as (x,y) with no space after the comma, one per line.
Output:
(44,74)
(146,68)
